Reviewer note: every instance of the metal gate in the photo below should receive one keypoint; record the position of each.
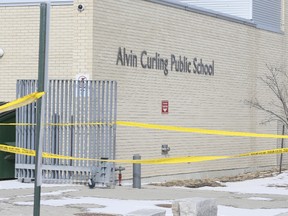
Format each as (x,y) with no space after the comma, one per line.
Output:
(79,122)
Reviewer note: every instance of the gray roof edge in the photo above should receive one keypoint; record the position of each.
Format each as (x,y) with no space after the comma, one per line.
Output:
(270,29)
(204,11)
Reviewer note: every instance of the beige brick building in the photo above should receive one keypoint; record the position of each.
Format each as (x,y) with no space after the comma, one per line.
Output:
(92,42)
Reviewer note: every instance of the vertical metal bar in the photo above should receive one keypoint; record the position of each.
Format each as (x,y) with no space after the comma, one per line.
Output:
(21,110)
(17,130)
(114,123)
(48,127)
(106,121)
(137,172)
(57,127)
(103,121)
(94,117)
(42,86)
(70,148)
(28,120)
(66,120)
(282,145)
(90,119)
(86,127)
(32,120)
(53,99)
(103,144)
(61,143)
(98,120)
(25,110)
(44,121)
(33,128)
(78,134)
(71,138)
(75,147)
(114,128)
(110,120)
(58,120)
(111,131)
(82,94)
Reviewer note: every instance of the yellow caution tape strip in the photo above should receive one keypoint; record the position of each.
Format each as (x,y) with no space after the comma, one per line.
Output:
(160,127)
(176,160)
(21,101)
(80,124)
(17,124)
(198,130)
(59,124)
(17,150)
(265,152)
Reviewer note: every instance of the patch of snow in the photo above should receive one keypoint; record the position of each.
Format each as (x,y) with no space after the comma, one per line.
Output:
(116,206)
(54,193)
(255,186)
(111,206)
(15,184)
(2,199)
(260,198)
(231,211)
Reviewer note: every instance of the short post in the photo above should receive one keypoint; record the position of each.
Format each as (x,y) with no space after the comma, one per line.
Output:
(137,172)
(282,146)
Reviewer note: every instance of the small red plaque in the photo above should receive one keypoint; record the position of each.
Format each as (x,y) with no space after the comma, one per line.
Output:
(165,107)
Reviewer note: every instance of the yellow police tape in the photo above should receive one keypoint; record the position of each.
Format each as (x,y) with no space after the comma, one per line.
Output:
(198,130)
(17,124)
(79,124)
(21,101)
(36,95)
(175,160)
(159,127)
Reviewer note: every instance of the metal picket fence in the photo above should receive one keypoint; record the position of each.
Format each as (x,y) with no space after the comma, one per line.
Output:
(79,122)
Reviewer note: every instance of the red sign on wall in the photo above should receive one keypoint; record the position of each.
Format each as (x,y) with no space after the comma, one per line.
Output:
(165,107)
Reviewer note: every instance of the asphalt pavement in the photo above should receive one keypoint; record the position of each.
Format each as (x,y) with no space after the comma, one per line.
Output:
(11,199)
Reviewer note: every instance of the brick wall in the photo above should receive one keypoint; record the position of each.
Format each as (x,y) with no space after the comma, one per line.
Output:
(88,42)
(19,37)
(240,53)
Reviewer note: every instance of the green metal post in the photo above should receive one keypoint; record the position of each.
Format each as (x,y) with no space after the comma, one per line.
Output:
(42,86)
(282,146)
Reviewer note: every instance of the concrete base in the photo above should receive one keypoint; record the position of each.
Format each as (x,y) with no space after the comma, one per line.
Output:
(194,207)
(147,212)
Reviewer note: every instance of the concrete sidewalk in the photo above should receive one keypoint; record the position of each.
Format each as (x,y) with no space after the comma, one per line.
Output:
(10,198)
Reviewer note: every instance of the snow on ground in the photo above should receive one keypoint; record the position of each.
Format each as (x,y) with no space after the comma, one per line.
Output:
(260,198)
(272,185)
(54,193)
(108,205)
(15,184)
(230,211)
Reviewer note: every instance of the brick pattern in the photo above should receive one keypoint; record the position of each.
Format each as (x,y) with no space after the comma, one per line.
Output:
(240,53)
(88,42)
(19,30)
(83,38)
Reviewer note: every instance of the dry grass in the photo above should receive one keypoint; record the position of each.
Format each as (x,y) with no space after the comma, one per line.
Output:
(217,182)
(164,205)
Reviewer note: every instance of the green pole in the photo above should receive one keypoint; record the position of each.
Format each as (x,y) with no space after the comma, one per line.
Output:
(42,86)
(282,146)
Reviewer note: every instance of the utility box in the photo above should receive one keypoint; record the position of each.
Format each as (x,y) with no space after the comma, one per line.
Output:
(7,137)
